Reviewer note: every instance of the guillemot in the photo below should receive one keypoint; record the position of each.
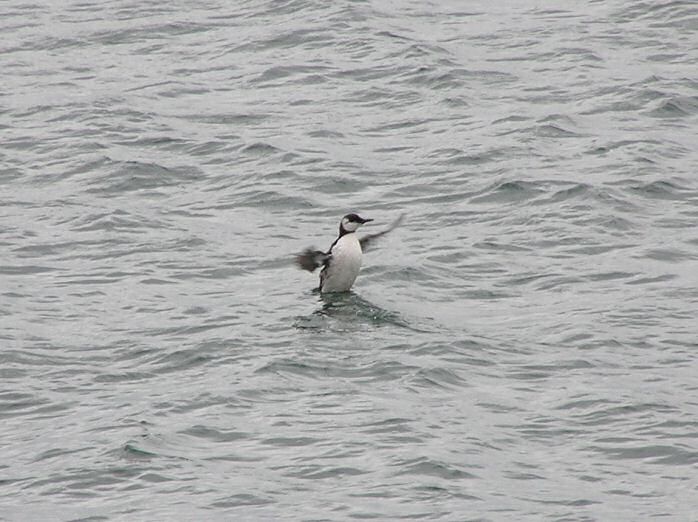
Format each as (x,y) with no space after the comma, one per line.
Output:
(341,263)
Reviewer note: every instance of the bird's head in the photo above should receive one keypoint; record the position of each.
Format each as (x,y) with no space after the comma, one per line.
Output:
(351,222)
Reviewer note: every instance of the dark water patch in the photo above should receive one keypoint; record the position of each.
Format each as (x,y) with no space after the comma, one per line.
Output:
(514,118)
(290,441)
(260,149)
(444,378)
(123,377)
(636,145)
(140,34)
(241,499)
(178,91)
(558,119)
(376,97)
(119,248)
(215,435)
(364,74)
(524,476)
(648,280)
(426,194)
(547,430)
(458,157)
(416,52)
(550,130)
(309,74)
(410,123)
(653,454)
(492,244)
(81,483)
(523,280)
(8,175)
(660,189)
(19,403)
(267,199)
(426,467)
(485,294)
(670,429)
(431,78)
(666,58)
(130,176)
(455,102)
(231,120)
(583,404)
(392,425)
(652,11)
(340,183)
(39,352)
(180,360)
(349,311)
(461,352)
(307,38)
(394,36)
(51,44)
(131,450)
(410,275)
(595,250)
(116,221)
(578,54)
(676,107)
(217,273)
(507,192)
(375,371)
(92,165)
(608,414)
(610,276)
(315,472)
(577,191)
(398,148)
(26,269)
(671,255)
(54,453)
(210,148)
(487,77)
(619,224)
(325,133)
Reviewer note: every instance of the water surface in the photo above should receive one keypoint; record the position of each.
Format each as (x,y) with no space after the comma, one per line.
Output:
(523,347)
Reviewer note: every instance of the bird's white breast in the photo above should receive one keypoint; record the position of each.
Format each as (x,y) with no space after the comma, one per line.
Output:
(344,264)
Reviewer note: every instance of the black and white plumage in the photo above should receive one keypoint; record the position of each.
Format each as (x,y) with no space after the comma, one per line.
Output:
(341,263)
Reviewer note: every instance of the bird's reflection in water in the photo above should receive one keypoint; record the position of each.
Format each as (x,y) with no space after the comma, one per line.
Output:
(348,310)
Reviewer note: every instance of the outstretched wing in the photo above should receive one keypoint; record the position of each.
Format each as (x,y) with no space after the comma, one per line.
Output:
(369,240)
(310,259)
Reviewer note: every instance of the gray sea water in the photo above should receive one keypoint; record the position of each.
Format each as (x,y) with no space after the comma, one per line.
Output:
(524,347)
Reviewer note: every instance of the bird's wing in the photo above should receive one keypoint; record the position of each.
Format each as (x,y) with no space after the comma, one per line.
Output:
(310,259)
(369,240)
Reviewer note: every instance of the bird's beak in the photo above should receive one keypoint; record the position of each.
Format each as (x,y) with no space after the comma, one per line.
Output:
(366,220)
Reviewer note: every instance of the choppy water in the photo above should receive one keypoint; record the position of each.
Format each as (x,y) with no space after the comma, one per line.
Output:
(524,347)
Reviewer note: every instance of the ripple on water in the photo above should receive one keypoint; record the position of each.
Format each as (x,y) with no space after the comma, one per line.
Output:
(127,176)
